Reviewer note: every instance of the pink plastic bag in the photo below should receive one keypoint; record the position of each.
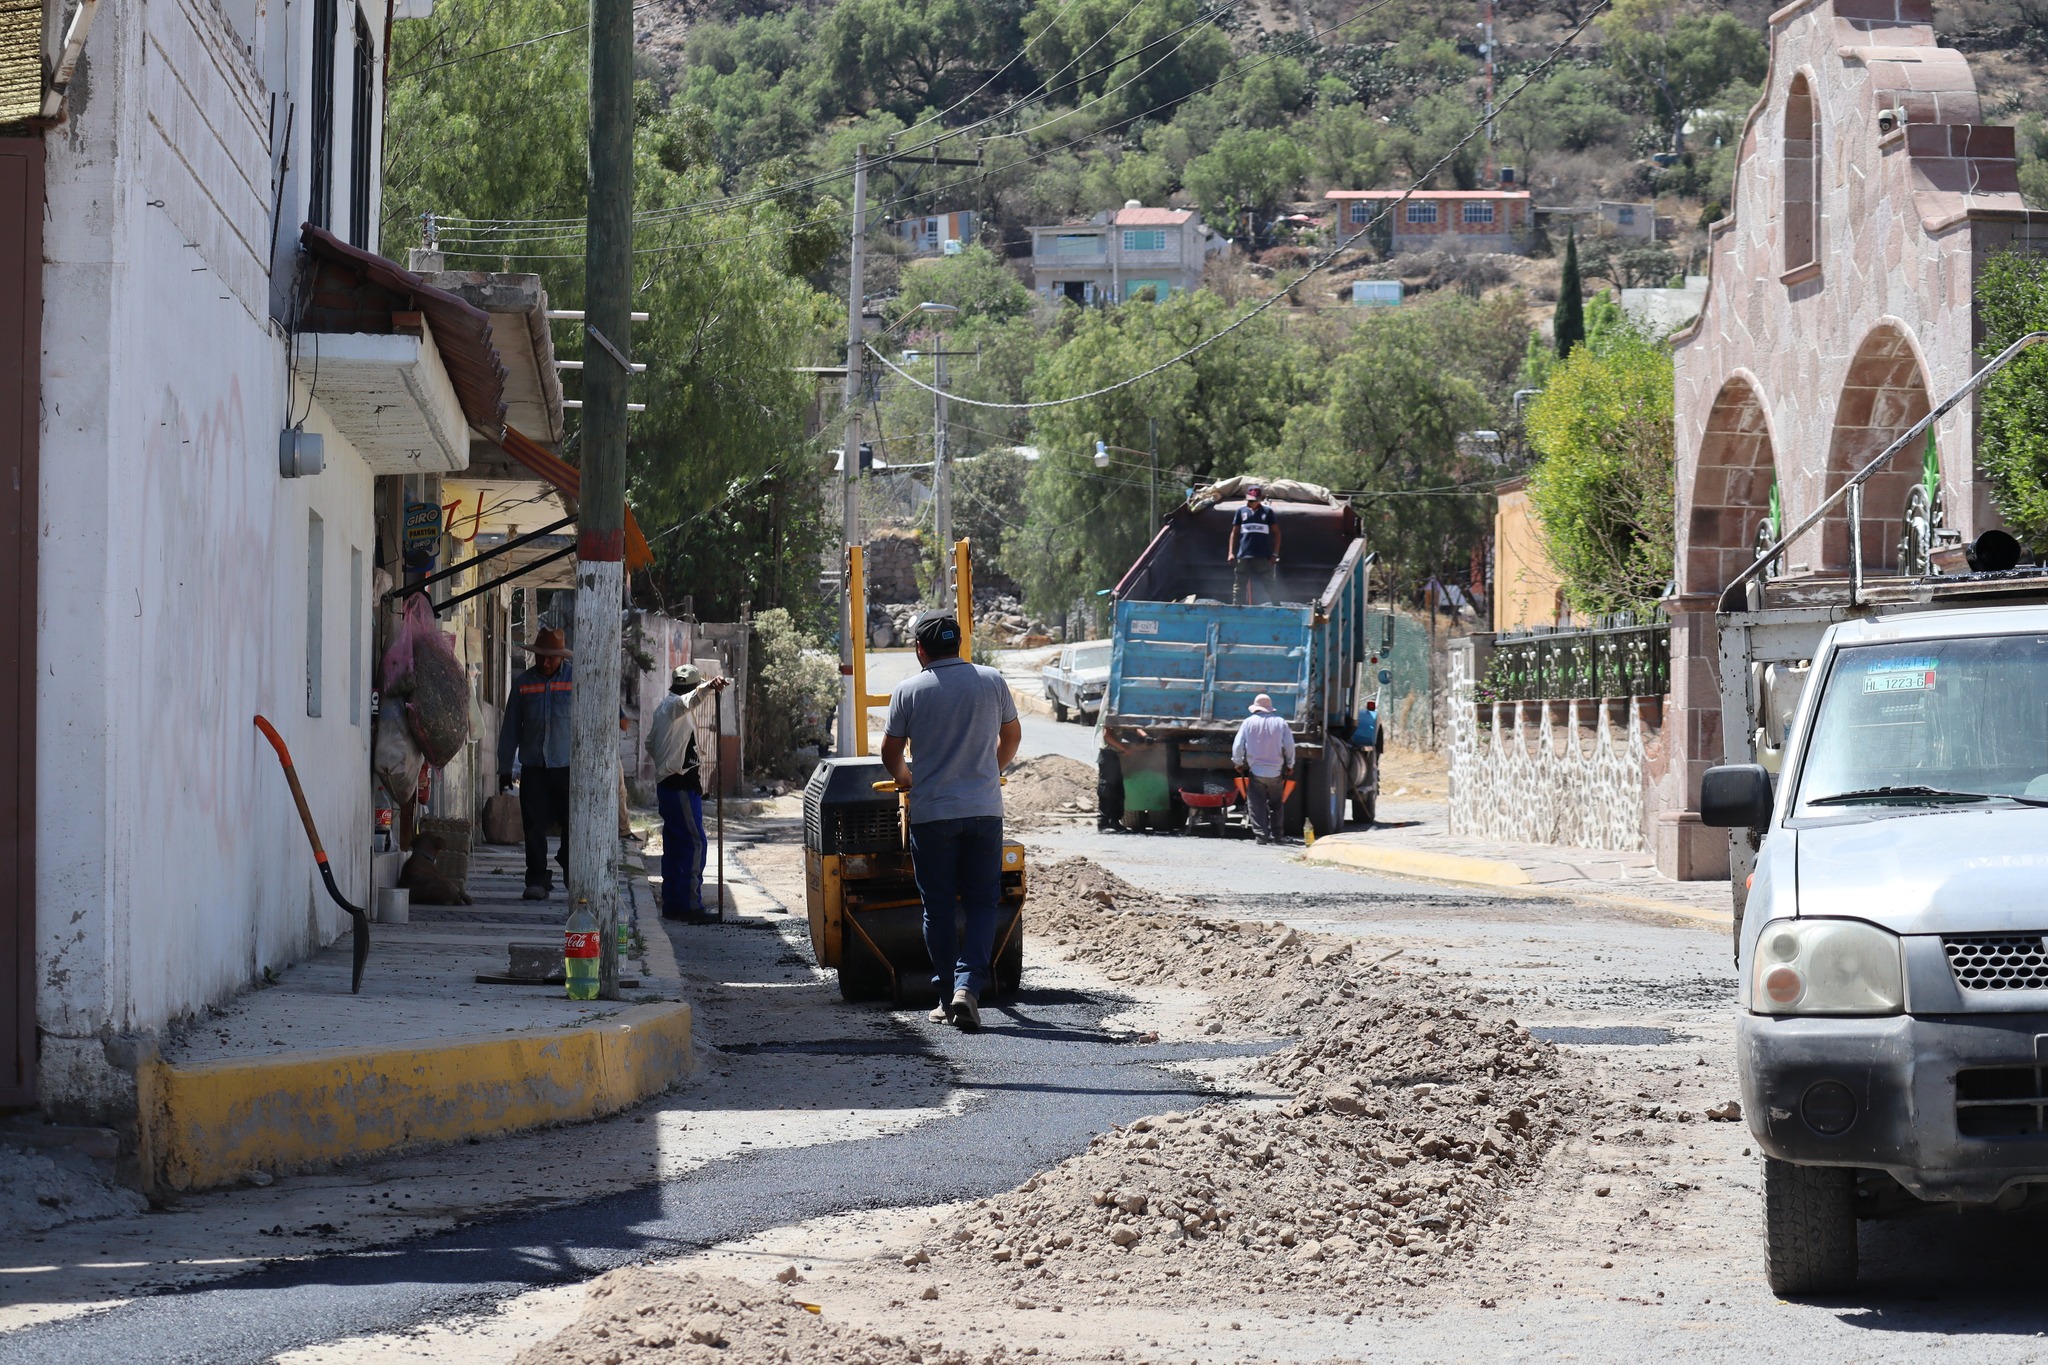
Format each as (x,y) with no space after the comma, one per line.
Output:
(421,667)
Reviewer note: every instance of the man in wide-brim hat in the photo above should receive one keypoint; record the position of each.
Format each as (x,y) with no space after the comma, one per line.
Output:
(536,732)
(679,790)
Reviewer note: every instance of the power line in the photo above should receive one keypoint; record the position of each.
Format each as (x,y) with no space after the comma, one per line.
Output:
(1319,265)
(509,47)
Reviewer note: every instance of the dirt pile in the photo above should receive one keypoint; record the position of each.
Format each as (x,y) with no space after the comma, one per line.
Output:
(638,1317)
(1416,1108)
(1050,784)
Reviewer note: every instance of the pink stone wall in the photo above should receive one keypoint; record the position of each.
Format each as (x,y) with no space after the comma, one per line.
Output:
(1803,370)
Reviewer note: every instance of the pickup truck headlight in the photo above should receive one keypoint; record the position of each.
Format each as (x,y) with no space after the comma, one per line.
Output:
(1826,966)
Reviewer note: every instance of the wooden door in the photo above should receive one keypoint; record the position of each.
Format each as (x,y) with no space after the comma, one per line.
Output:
(21,364)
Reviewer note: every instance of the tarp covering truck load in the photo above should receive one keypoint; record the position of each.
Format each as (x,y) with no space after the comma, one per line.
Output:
(1186,664)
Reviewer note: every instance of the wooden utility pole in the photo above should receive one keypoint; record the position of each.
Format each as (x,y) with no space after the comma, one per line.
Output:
(849,463)
(601,516)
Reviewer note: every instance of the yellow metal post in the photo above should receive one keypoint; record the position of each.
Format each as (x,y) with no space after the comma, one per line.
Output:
(857,637)
(963,597)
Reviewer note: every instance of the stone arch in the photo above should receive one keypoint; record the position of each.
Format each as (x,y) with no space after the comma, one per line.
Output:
(1883,392)
(1731,488)
(1801,174)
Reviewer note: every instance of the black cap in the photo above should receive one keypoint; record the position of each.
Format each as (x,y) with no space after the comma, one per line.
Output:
(938,632)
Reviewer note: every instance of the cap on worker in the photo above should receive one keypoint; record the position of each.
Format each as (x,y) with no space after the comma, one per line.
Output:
(549,644)
(1262,703)
(937,628)
(1254,487)
(686,678)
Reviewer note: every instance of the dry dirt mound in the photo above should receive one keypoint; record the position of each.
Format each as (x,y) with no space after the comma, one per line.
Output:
(637,1317)
(1050,784)
(1417,1107)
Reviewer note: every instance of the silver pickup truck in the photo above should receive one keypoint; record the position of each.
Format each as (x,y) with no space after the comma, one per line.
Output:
(1077,679)
(1892,928)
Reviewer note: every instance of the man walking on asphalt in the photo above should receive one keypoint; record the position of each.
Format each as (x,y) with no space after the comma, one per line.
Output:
(679,790)
(963,722)
(1264,756)
(536,731)
(1254,549)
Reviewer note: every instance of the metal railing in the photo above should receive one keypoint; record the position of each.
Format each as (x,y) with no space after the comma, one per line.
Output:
(1732,596)
(1618,658)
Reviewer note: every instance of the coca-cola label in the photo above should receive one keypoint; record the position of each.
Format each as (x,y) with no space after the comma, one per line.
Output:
(579,945)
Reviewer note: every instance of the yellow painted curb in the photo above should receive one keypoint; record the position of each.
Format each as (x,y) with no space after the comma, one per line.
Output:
(207,1123)
(1448,867)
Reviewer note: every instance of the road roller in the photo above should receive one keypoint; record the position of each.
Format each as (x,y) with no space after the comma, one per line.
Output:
(867,921)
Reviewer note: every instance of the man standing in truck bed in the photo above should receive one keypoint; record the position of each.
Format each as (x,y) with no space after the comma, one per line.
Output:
(962,721)
(1254,550)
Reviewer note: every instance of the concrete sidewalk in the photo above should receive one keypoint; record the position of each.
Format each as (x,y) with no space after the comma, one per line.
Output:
(300,1073)
(1413,839)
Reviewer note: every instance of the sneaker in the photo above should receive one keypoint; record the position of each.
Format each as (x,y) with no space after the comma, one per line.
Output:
(536,892)
(966,1012)
(1265,838)
(942,1013)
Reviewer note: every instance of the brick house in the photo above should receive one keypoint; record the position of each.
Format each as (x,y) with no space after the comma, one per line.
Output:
(1454,220)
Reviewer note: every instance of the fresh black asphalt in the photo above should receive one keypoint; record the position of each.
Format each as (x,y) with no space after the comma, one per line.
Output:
(1048,1078)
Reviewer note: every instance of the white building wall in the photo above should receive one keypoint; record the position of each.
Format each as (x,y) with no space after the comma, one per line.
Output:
(173,589)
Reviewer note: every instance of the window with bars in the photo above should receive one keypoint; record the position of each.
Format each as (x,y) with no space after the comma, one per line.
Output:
(362,135)
(1361,213)
(1478,211)
(320,168)
(1422,213)
(1144,239)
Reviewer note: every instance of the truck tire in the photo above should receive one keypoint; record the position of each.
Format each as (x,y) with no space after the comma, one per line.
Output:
(1327,781)
(1809,1228)
(1294,813)
(1059,710)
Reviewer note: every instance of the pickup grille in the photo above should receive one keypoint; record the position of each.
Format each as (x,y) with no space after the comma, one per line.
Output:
(2002,1102)
(1998,962)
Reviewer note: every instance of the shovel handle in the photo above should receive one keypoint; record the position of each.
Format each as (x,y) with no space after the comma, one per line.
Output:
(291,776)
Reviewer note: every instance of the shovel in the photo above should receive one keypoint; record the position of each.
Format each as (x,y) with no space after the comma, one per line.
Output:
(362,917)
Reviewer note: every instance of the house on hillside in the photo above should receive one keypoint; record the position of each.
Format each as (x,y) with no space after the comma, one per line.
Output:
(1437,220)
(937,232)
(1118,253)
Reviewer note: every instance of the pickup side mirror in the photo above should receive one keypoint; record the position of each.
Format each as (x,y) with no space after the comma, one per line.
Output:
(1736,796)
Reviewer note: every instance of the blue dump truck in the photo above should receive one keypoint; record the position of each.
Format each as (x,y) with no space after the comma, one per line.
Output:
(1186,665)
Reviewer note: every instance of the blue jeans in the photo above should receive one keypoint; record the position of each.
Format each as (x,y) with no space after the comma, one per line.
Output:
(682,851)
(959,862)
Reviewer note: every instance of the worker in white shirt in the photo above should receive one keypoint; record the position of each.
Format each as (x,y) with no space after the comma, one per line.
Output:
(679,790)
(1264,756)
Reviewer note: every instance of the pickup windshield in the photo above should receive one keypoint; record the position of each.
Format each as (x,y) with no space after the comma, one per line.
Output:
(1091,656)
(1930,723)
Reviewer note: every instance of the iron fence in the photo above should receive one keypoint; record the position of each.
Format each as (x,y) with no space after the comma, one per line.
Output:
(1617,658)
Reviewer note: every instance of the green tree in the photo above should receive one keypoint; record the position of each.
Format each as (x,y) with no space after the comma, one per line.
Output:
(1602,488)
(1249,171)
(1387,428)
(1431,129)
(1127,54)
(975,282)
(792,691)
(1679,61)
(1572,109)
(720,472)
(2012,412)
(1568,321)
(1111,181)
(903,55)
(1345,147)
(2033,156)
(1215,412)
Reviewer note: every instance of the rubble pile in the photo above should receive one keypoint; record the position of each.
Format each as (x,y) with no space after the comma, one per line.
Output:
(890,624)
(1047,785)
(1416,1107)
(1001,620)
(639,1317)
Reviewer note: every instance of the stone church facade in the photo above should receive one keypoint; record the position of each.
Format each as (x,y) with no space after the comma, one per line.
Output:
(1869,193)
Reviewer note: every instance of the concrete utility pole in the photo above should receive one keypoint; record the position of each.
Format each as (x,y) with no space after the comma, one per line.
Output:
(601,506)
(849,463)
(942,476)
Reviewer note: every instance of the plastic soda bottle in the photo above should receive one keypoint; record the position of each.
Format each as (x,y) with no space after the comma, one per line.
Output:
(580,939)
(625,939)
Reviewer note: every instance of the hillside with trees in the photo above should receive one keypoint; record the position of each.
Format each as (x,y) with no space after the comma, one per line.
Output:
(1245,110)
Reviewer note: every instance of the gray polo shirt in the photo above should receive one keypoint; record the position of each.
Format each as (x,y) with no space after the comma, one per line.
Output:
(951,713)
